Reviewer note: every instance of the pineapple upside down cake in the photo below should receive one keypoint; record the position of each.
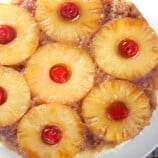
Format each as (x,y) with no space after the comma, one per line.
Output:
(77,77)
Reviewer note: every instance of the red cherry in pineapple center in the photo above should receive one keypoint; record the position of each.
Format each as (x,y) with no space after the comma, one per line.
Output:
(51,135)
(69,10)
(59,74)
(118,111)
(128,48)
(7,34)
(3,96)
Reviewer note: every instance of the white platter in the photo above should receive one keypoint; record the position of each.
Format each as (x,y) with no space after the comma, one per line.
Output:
(145,142)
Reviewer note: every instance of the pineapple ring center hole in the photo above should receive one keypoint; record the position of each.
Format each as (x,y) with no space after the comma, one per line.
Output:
(51,135)
(117,111)
(128,48)
(3,96)
(7,34)
(60,73)
(69,11)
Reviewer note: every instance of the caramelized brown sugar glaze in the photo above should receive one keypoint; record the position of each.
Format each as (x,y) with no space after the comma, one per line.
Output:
(148,83)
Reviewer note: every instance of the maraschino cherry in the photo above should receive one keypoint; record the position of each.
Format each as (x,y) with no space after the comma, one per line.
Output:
(7,34)
(3,96)
(128,48)
(118,111)
(59,74)
(51,135)
(69,10)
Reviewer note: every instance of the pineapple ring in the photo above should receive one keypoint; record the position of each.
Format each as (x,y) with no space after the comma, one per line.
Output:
(106,52)
(80,29)
(50,114)
(18,96)
(27,35)
(96,104)
(79,63)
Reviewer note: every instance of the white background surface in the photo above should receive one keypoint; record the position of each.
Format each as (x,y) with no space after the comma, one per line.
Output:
(145,142)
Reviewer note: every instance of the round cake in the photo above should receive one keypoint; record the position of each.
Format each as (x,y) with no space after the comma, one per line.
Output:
(78,77)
